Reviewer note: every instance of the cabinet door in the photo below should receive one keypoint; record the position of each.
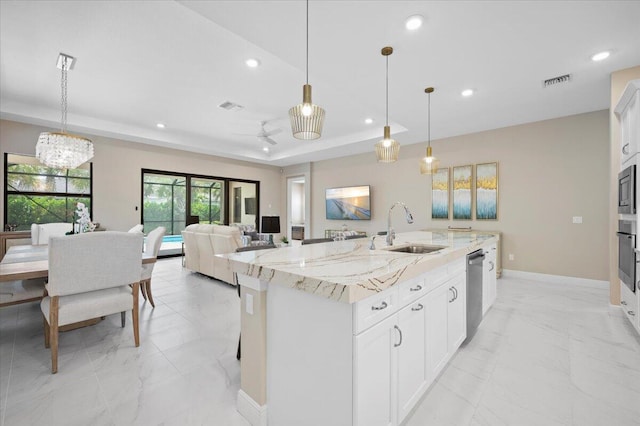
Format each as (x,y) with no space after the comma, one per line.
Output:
(489,280)
(375,377)
(412,371)
(436,305)
(457,312)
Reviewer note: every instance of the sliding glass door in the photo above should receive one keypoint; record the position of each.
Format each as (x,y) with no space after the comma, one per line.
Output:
(207,197)
(164,202)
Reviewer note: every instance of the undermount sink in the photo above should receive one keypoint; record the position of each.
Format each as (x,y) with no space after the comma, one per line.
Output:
(416,249)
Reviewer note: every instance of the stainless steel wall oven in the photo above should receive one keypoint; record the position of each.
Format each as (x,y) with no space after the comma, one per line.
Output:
(627,253)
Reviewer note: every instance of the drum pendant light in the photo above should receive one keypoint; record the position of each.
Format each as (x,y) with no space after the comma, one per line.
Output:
(387,149)
(429,164)
(306,118)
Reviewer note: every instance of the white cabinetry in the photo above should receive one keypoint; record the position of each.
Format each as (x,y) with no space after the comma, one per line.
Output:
(628,112)
(630,304)
(489,280)
(446,323)
(397,358)
(413,379)
(375,377)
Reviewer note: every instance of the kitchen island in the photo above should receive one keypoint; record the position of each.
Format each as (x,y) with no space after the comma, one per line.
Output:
(340,334)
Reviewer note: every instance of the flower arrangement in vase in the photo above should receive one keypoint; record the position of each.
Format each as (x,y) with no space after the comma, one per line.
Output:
(84,219)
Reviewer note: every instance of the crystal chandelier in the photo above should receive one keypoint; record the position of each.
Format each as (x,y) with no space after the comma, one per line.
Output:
(306,118)
(387,149)
(429,164)
(61,149)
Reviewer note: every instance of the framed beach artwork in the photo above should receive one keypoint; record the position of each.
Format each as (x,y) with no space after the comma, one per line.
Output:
(487,191)
(462,177)
(440,194)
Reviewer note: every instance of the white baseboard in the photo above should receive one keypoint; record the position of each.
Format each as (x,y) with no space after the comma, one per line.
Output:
(249,409)
(554,279)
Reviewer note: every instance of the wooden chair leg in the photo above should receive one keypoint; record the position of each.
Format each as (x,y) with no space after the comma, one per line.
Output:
(123,319)
(53,339)
(134,314)
(143,290)
(147,284)
(46,332)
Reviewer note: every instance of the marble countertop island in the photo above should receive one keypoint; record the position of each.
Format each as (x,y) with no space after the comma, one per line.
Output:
(348,271)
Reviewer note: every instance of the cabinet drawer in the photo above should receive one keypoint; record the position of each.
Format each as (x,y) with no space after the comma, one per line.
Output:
(374,309)
(411,290)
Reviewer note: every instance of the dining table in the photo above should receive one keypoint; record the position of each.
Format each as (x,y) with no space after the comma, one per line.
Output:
(24,270)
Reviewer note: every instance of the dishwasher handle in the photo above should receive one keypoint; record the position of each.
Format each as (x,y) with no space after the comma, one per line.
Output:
(477,260)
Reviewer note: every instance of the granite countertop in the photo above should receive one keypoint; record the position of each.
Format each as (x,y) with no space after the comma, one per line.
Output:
(347,271)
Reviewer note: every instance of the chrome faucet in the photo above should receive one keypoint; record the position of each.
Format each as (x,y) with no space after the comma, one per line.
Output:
(391,234)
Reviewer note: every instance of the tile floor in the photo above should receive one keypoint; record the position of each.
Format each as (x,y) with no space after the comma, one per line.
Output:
(545,355)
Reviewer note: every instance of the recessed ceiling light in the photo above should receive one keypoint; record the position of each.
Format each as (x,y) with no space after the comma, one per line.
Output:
(468,92)
(600,56)
(252,63)
(413,22)
(265,149)
(368,120)
(160,126)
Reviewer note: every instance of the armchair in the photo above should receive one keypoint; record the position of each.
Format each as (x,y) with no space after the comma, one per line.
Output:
(90,275)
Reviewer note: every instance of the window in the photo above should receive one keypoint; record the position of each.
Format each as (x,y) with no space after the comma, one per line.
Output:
(164,202)
(35,193)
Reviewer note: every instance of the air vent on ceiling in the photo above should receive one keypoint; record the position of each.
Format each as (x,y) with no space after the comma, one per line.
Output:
(557,80)
(230,106)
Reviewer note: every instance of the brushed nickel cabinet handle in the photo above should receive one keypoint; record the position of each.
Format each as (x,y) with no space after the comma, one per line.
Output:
(625,149)
(399,331)
(416,288)
(382,306)
(417,308)
(633,314)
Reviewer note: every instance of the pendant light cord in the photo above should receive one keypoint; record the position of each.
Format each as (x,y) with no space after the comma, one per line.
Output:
(63,98)
(307,42)
(429,119)
(387,90)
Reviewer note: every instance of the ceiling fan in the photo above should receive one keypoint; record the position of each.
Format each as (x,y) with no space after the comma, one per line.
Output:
(264,135)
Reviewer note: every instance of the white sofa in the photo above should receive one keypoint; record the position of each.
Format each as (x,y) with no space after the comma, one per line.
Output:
(201,244)
(40,232)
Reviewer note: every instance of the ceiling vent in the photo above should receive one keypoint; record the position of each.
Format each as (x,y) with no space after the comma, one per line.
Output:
(230,106)
(557,80)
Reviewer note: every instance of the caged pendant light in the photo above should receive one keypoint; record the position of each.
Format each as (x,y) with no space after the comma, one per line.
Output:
(387,149)
(61,149)
(306,118)
(429,164)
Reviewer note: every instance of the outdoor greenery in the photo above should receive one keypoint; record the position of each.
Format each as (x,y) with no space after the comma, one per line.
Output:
(40,194)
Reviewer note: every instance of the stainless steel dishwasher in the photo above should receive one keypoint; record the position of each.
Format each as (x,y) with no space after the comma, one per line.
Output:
(475,262)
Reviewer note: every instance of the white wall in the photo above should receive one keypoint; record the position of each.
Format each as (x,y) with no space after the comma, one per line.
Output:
(117,172)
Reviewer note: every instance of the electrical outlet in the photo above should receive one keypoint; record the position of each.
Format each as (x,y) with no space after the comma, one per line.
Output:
(249,303)
(577,219)
(511,256)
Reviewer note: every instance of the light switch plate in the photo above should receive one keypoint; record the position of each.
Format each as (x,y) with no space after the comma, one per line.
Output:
(577,219)
(249,303)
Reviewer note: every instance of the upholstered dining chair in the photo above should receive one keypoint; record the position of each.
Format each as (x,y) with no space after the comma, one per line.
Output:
(138,229)
(91,275)
(154,241)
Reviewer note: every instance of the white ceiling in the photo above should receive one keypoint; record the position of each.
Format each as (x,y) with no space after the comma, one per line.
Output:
(143,62)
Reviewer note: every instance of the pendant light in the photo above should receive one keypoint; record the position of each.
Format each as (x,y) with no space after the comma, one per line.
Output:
(387,149)
(306,118)
(429,164)
(61,149)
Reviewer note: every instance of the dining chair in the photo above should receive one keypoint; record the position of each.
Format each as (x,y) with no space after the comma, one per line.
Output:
(235,279)
(91,275)
(138,229)
(154,241)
